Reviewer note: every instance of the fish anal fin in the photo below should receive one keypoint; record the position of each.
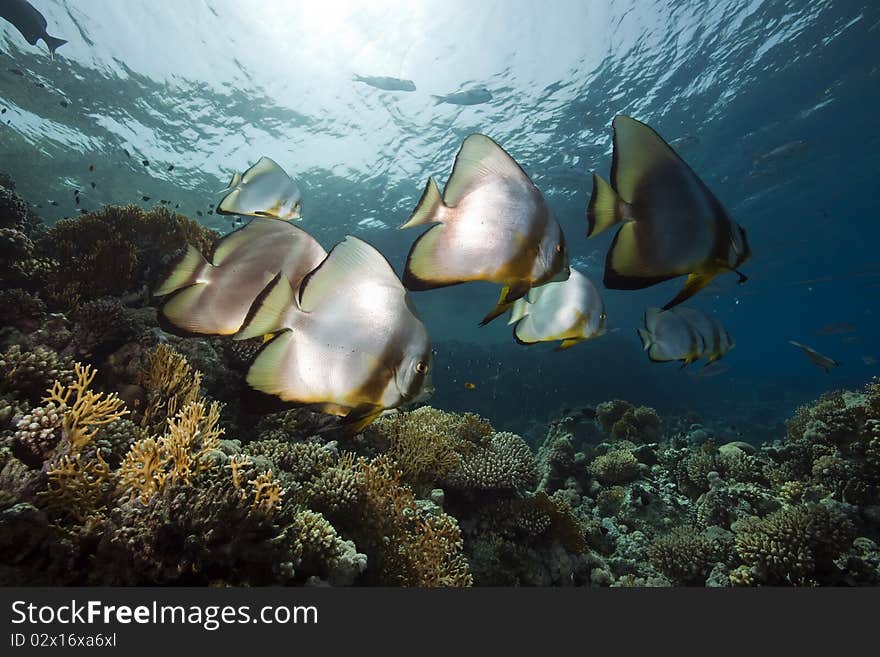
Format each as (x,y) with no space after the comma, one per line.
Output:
(695,282)
(360,418)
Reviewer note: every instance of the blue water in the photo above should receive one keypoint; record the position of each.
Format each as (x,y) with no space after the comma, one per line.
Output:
(211,86)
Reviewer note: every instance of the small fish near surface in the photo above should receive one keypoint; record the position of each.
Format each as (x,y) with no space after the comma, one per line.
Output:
(672,225)
(493,225)
(785,151)
(683,334)
(386,83)
(819,360)
(30,22)
(474,96)
(569,311)
(347,344)
(264,190)
(212,296)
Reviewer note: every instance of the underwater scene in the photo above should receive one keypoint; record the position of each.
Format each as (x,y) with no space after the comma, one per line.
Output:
(503,293)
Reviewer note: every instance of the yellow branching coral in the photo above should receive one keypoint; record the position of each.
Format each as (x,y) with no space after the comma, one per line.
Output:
(77,486)
(170,384)
(410,547)
(84,410)
(152,464)
(267,494)
(236,463)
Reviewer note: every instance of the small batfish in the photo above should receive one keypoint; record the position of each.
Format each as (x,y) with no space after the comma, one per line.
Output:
(212,296)
(819,360)
(672,224)
(264,190)
(385,83)
(347,344)
(716,340)
(30,22)
(570,311)
(475,96)
(494,225)
(668,336)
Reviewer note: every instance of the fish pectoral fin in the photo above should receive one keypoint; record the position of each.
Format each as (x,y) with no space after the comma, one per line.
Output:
(695,282)
(509,294)
(568,344)
(185,273)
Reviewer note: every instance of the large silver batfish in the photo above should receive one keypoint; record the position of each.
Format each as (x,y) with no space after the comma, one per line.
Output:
(212,296)
(493,225)
(347,343)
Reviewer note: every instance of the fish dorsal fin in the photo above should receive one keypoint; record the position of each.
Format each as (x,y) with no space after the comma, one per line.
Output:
(255,229)
(263,166)
(349,265)
(271,311)
(478,158)
(638,152)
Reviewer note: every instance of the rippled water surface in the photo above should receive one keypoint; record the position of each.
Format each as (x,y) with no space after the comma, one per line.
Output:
(199,89)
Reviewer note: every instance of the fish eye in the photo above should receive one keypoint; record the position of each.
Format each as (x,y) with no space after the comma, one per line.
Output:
(559,248)
(422,367)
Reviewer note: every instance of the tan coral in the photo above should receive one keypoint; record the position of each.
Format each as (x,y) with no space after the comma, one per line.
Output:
(170,384)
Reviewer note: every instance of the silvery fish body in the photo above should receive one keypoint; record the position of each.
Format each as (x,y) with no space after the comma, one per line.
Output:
(264,190)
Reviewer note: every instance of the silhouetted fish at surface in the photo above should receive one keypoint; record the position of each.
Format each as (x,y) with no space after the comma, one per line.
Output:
(127,154)
(16,71)
(474,96)
(781,152)
(146,163)
(386,83)
(171,167)
(64,103)
(93,184)
(30,22)
(146,198)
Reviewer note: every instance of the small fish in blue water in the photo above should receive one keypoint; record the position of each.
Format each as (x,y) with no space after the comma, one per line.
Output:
(569,311)
(470,386)
(127,154)
(386,83)
(684,142)
(16,71)
(3,111)
(683,334)
(64,103)
(146,163)
(171,167)
(30,22)
(474,96)
(264,190)
(93,184)
(819,360)
(493,225)
(785,151)
(656,196)
(199,212)
(145,198)
(91,167)
(55,203)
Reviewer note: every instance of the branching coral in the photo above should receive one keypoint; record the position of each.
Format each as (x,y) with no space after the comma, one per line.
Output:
(504,463)
(170,384)
(618,466)
(686,555)
(29,373)
(795,545)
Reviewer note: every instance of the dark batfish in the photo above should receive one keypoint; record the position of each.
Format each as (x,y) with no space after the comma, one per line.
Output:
(385,83)
(475,96)
(672,224)
(29,22)
(819,360)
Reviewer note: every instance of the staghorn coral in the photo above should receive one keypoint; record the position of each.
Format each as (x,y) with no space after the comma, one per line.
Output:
(795,545)
(504,462)
(618,466)
(686,555)
(114,250)
(337,489)
(29,373)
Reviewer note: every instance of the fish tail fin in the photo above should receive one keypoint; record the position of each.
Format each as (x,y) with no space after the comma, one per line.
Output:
(437,99)
(185,272)
(429,207)
(520,310)
(647,339)
(54,43)
(604,209)
(695,282)
(508,296)
(270,311)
